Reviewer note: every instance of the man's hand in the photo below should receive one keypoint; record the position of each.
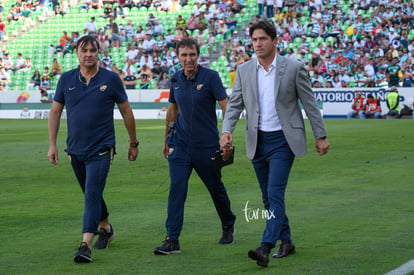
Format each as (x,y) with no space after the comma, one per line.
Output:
(165,150)
(227,153)
(132,153)
(53,155)
(322,146)
(226,145)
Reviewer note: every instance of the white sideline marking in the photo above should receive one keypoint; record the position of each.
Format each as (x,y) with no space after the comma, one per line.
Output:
(404,269)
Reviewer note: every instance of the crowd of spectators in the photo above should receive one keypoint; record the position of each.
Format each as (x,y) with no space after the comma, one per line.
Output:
(24,9)
(353,43)
(376,50)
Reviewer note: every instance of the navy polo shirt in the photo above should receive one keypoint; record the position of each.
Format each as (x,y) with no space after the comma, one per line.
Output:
(196,99)
(90,109)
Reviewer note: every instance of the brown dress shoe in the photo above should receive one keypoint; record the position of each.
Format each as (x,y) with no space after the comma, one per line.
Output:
(285,249)
(260,255)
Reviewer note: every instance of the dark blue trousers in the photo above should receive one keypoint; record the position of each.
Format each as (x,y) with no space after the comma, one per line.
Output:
(91,174)
(272,164)
(260,8)
(181,163)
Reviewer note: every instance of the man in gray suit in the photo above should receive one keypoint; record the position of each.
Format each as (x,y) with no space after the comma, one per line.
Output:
(269,88)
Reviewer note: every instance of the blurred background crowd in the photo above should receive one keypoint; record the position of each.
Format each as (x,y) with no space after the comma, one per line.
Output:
(343,43)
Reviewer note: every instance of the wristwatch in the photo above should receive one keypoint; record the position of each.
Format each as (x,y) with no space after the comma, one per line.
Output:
(134,144)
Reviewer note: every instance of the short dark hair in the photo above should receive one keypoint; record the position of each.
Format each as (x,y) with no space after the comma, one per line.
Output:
(85,40)
(267,26)
(187,42)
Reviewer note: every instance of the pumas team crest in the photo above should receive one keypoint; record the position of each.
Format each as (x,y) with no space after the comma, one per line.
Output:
(103,88)
(199,86)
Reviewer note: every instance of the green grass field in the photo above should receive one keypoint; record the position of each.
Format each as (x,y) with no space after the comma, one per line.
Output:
(351,211)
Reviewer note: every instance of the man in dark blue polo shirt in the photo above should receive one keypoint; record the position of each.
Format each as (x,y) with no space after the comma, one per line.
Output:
(191,141)
(89,94)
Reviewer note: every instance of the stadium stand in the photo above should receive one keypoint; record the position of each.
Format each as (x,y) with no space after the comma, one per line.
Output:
(332,37)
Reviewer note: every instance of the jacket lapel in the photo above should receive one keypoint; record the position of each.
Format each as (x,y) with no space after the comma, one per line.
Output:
(280,71)
(253,76)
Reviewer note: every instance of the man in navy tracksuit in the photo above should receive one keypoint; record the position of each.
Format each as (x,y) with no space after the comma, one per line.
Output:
(191,141)
(89,94)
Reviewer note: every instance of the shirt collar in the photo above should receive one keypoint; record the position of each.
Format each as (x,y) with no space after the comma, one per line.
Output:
(192,77)
(82,79)
(273,65)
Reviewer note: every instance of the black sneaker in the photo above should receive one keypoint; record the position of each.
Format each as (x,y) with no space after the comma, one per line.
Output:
(228,235)
(168,247)
(104,238)
(84,254)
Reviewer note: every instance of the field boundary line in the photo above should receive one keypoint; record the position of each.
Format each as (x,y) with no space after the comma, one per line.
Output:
(403,269)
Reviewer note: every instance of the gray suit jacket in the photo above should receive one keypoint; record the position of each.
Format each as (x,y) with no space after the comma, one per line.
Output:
(292,83)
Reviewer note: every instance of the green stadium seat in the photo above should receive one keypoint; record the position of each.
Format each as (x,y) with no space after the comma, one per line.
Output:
(214,65)
(222,61)
(319,40)
(330,39)
(204,49)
